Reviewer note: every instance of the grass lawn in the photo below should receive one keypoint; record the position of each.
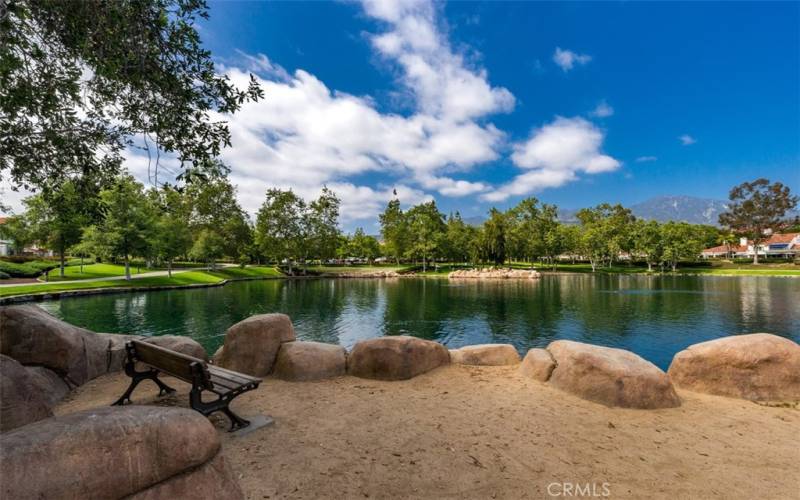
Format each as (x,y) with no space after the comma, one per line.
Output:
(178,279)
(187,278)
(93,271)
(247,272)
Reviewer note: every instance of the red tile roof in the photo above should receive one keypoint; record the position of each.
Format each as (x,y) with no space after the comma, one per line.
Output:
(725,248)
(781,238)
(3,220)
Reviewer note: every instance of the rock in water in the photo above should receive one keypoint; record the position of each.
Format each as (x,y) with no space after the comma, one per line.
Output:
(21,401)
(251,345)
(485,355)
(613,377)
(758,367)
(104,453)
(310,361)
(395,358)
(538,364)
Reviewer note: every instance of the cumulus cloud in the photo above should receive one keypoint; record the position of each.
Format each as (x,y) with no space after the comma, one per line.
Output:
(687,140)
(602,110)
(645,159)
(305,134)
(567,59)
(555,154)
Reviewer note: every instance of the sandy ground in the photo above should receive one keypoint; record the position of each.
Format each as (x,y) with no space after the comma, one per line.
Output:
(470,432)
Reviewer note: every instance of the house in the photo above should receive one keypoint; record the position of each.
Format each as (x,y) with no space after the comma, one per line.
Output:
(5,245)
(778,245)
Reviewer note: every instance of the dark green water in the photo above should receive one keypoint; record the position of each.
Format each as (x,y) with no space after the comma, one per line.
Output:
(652,316)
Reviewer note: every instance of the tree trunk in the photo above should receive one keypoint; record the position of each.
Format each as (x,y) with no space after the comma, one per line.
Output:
(649,267)
(594,264)
(61,263)
(424,264)
(127,268)
(755,252)
(674,266)
(169,268)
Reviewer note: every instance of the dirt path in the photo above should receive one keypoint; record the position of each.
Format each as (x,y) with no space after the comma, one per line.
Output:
(468,432)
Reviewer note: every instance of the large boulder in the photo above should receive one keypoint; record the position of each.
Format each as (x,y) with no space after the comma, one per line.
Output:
(213,480)
(252,345)
(485,355)
(758,367)
(33,337)
(310,361)
(613,377)
(395,358)
(48,384)
(538,364)
(20,402)
(104,453)
(181,344)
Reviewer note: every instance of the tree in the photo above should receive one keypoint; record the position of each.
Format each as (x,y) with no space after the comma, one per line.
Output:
(78,80)
(127,225)
(18,229)
(570,238)
(426,227)
(681,241)
(279,225)
(648,242)
(394,229)
(57,217)
(363,245)
(757,207)
(173,239)
(208,247)
(323,225)
(493,237)
(457,239)
(605,233)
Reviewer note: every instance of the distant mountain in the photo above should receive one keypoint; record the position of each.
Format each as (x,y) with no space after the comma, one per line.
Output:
(681,208)
(661,208)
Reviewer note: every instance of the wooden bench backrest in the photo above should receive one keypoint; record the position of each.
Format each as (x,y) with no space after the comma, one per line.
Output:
(173,363)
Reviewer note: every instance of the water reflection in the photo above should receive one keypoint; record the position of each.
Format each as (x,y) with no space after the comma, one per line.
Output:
(654,316)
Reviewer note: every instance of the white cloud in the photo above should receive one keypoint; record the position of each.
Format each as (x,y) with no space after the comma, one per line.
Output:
(645,159)
(567,59)
(602,110)
(687,140)
(304,134)
(554,155)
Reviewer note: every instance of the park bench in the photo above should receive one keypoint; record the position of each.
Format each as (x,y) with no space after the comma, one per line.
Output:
(226,384)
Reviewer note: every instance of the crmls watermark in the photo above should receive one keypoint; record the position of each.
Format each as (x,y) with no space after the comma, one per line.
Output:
(567,489)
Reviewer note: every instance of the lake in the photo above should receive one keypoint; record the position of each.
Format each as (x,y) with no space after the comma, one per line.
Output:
(653,316)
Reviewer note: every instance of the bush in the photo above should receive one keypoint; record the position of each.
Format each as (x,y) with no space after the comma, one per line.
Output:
(4,276)
(19,270)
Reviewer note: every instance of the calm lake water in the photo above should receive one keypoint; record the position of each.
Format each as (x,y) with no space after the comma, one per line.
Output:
(654,316)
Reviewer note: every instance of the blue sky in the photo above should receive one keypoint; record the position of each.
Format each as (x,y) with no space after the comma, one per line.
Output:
(481,104)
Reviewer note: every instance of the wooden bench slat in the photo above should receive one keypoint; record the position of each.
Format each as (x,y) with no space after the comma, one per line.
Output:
(174,363)
(227,384)
(239,377)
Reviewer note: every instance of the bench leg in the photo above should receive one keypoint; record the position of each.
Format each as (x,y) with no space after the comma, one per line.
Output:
(138,377)
(237,422)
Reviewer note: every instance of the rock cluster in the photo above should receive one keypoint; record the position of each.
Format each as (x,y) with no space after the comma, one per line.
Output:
(298,361)
(758,367)
(494,273)
(485,355)
(251,345)
(613,377)
(395,358)
(43,358)
(146,452)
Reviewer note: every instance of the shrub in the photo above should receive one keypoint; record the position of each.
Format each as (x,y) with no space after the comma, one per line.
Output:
(18,270)
(4,276)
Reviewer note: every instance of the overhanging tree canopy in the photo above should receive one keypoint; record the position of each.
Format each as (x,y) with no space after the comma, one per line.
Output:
(80,80)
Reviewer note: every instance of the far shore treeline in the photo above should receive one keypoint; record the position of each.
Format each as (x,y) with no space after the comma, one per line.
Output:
(202,221)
